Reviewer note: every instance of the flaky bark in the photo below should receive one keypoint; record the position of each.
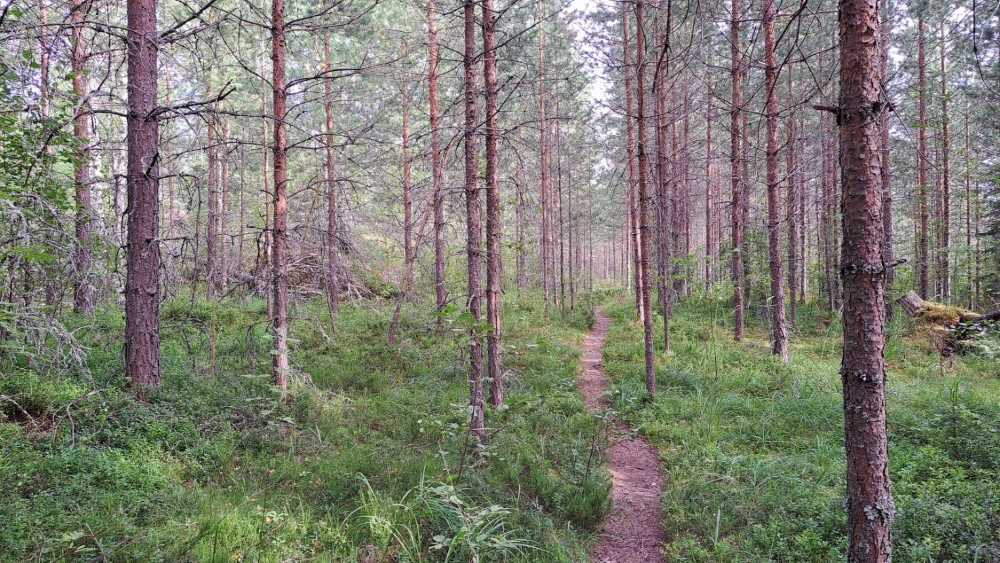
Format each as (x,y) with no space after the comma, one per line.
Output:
(83,289)
(779,332)
(142,284)
(477,422)
(870,509)
(644,197)
(279,225)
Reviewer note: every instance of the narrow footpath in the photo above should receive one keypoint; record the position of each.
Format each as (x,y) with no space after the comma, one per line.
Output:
(633,532)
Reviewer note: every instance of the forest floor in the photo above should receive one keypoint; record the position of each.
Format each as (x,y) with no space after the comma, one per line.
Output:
(367,458)
(753,449)
(633,531)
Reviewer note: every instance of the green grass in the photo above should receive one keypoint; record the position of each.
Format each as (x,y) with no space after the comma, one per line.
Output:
(753,449)
(367,455)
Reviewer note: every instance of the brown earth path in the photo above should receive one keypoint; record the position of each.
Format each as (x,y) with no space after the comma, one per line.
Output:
(633,532)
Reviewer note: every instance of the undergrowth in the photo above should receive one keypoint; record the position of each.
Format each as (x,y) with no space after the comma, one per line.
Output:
(754,451)
(366,459)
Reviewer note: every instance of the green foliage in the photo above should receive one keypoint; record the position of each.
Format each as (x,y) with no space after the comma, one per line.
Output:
(754,448)
(367,456)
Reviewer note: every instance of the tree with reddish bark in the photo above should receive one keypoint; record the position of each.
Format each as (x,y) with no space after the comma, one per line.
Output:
(870,509)
(663,180)
(142,282)
(83,293)
(632,228)
(437,164)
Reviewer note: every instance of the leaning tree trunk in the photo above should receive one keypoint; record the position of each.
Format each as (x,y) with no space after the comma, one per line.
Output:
(870,509)
(494,298)
(332,260)
(644,197)
(142,283)
(736,167)
(477,422)
(779,332)
(83,294)
(279,225)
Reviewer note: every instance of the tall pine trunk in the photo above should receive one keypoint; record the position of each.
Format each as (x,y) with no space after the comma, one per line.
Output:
(945,219)
(870,509)
(632,227)
(644,197)
(736,167)
(437,166)
(779,332)
(477,422)
(83,291)
(494,273)
(332,280)
(663,184)
(922,249)
(142,283)
(279,224)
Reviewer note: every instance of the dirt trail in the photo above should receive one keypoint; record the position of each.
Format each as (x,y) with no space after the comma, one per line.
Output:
(633,532)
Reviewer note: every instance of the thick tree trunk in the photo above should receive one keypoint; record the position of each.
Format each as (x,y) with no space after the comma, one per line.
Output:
(83,291)
(494,233)
(437,165)
(477,422)
(779,332)
(644,197)
(142,285)
(332,265)
(922,250)
(279,260)
(736,167)
(663,183)
(870,509)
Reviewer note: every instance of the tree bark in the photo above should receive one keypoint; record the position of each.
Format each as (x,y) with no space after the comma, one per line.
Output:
(279,224)
(711,193)
(922,250)
(870,509)
(888,251)
(142,285)
(83,293)
(792,209)
(214,285)
(494,232)
(437,166)
(663,184)
(545,180)
(332,259)
(644,197)
(477,423)
(945,250)
(779,332)
(736,166)
(632,227)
